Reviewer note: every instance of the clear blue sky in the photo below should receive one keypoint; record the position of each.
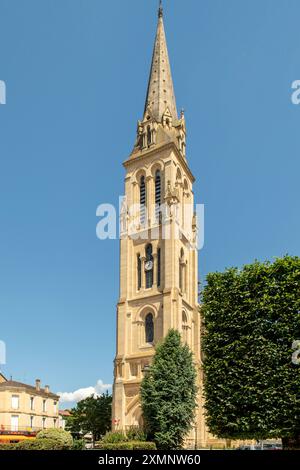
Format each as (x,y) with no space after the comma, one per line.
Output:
(76,73)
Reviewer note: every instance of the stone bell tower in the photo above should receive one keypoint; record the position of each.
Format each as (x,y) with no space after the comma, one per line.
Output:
(158,259)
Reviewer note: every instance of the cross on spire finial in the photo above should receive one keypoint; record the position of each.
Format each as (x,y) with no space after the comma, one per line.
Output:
(160,10)
(160,92)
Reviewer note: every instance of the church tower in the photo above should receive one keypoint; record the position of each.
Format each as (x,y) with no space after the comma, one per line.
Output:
(158,258)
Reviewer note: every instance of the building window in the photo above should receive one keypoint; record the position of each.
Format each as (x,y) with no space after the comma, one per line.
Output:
(184,328)
(149,267)
(54,422)
(139,271)
(43,423)
(31,403)
(44,405)
(157,195)
(143,201)
(133,369)
(15,402)
(14,423)
(181,271)
(55,406)
(158,267)
(31,421)
(149,328)
(149,136)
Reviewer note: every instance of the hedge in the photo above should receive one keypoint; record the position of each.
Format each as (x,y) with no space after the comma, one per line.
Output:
(143,446)
(35,444)
(133,445)
(8,446)
(41,444)
(114,437)
(26,445)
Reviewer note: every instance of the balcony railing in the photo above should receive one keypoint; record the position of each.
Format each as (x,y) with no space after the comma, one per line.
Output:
(18,430)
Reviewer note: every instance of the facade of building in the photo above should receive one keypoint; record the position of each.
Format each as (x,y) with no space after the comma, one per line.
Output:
(158,258)
(26,409)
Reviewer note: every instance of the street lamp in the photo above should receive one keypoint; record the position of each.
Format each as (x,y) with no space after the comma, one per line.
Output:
(146,369)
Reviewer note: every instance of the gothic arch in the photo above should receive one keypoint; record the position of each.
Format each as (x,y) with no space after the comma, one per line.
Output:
(135,411)
(141,314)
(178,175)
(158,165)
(138,174)
(188,317)
(185,327)
(186,185)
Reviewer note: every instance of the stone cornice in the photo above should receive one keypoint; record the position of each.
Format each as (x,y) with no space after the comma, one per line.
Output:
(28,391)
(140,156)
(142,355)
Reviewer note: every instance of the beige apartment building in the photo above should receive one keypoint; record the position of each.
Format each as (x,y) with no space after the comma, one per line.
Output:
(26,409)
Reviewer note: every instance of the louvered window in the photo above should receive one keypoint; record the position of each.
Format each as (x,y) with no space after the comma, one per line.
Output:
(157,194)
(143,201)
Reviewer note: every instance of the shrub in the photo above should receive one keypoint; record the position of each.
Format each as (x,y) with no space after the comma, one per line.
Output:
(136,434)
(60,436)
(78,444)
(50,444)
(114,437)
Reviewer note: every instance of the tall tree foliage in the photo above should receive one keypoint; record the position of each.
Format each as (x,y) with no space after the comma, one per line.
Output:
(168,393)
(91,415)
(252,317)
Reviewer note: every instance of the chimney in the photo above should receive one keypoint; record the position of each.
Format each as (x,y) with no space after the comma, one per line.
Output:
(47,388)
(38,384)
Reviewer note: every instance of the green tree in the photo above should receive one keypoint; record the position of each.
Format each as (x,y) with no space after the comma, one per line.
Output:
(91,415)
(168,393)
(251,318)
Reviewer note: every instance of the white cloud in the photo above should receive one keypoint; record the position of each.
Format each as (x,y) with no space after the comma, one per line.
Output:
(82,393)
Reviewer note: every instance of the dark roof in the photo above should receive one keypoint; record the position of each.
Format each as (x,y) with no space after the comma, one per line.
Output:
(29,388)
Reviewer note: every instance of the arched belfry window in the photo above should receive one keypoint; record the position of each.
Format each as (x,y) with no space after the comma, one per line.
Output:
(149,267)
(149,328)
(157,194)
(143,200)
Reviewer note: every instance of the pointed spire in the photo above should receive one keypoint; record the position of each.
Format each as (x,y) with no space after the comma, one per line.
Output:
(160,10)
(160,93)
